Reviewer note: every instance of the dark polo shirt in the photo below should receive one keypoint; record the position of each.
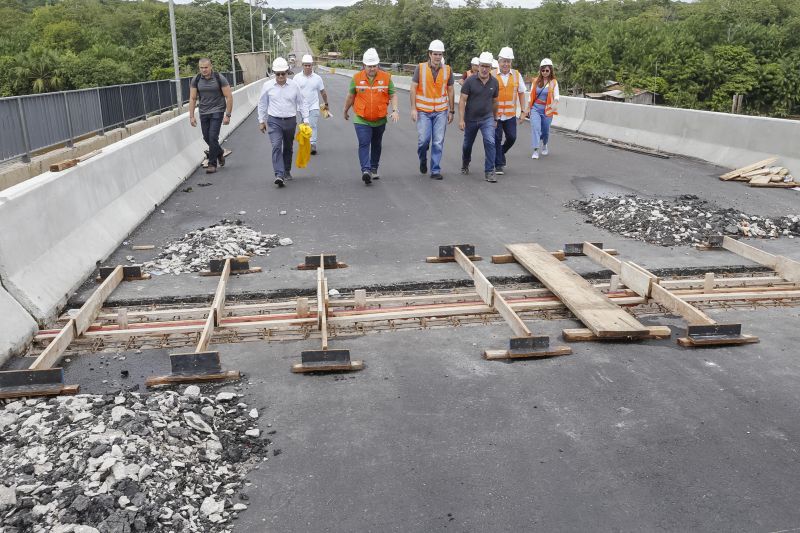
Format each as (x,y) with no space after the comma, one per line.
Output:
(480,101)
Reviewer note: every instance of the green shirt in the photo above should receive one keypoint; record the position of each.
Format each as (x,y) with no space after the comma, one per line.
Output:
(357,119)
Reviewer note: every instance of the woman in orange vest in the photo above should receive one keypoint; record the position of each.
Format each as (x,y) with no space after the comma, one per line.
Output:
(544,99)
(370,92)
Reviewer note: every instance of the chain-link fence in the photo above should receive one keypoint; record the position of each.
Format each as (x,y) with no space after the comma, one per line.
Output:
(36,122)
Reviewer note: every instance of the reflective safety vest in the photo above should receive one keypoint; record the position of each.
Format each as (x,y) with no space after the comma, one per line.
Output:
(432,93)
(548,103)
(507,96)
(371,101)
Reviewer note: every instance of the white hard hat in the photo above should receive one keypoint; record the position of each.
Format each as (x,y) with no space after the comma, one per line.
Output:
(506,53)
(546,62)
(436,46)
(495,64)
(486,58)
(280,65)
(307,59)
(371,57)
(475,61)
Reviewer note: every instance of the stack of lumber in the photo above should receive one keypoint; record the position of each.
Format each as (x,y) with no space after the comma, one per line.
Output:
(762,174)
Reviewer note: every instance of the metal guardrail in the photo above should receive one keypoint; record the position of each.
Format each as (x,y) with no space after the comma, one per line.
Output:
(33,123)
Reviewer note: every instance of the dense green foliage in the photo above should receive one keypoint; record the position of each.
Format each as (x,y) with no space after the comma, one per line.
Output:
(73,44)
(696,54)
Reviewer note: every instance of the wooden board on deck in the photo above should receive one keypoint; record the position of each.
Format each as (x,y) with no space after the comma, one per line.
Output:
(155,381)
(299,368)
(495,355)
(585,334)
(594,309)
(739,171)
(688,342)
(55,390)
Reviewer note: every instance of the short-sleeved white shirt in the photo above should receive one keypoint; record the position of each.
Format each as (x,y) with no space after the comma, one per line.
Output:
(310,86)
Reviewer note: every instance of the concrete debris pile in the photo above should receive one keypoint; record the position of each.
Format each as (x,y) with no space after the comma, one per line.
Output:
(126,463)
(225,239)
(686,220)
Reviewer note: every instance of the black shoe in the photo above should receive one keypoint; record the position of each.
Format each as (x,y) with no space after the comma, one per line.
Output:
(490,177)
(437,176)
(465,168)
(499,171)
(366,177)
(374,174)
(423,166)
(289,176)
(313,149)
(279,181)
(221,160)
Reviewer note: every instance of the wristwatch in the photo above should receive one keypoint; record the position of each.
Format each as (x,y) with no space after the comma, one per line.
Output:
(227,114)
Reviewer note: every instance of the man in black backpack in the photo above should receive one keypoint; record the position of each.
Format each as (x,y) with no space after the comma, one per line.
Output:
(216,104)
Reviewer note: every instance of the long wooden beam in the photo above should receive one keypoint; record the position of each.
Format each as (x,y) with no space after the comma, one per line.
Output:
(788,269)
(215,312)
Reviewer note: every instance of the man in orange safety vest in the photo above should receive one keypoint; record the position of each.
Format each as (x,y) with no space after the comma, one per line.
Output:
(511,99)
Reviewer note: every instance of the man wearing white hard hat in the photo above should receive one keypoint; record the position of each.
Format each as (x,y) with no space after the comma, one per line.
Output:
(477,111)
(280,101)
(432,107)
(511,100)
(371,92)
(312,86)
(473,69)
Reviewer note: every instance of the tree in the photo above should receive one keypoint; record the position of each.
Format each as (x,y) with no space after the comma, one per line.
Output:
(37,70)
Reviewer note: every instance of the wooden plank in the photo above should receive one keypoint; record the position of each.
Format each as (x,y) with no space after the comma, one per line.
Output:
(139,247)
(353,365)
(218,305)
(585,334)
(495,355)
(511,317)
(602,257)
(89,310)
(760,180)
(777,185)
(155,381)
(689,342)
(205,335)
(605,318)
(323,328)
(360,299)
(739,171)
(55,390)
(50,356)
(708,283)
(758,172)
(788,269)
(437,259)
(634,278)
(691,314)
(302,307)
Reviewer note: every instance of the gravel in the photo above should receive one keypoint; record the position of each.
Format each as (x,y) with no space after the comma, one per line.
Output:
(683,221)
(138,462)
(225,239)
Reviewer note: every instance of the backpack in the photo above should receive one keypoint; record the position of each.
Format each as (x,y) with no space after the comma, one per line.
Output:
(216,77)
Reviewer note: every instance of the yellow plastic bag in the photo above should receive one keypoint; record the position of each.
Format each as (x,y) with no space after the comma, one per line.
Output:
(303,145)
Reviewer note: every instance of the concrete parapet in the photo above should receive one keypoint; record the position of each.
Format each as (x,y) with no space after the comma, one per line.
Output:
(721,138)
(14,174)
(84,212)
(18,327)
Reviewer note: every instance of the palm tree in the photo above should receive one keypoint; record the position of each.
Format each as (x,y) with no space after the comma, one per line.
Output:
(37,70)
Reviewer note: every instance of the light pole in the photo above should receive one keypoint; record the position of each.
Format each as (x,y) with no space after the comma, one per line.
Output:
(178,96)
(230,33)
(269,25)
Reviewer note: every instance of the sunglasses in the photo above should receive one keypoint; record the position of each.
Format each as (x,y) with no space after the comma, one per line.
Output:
(280,73)
(545,69)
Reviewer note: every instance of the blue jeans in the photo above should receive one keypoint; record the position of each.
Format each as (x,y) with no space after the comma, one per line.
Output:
(431,125)
(540,127)
(486,128)
(313,120)
(281,135)
(510,128)
(210,124)
(369,146)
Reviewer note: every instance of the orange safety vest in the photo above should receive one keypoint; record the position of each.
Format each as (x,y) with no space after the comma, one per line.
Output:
(507,96)
(372,100)
(432,93)
(548,104)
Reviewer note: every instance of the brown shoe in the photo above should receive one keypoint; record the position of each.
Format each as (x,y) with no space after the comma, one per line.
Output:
(211,169)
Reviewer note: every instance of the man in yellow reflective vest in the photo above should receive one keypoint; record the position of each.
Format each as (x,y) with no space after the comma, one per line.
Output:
(512,92)
(432,107)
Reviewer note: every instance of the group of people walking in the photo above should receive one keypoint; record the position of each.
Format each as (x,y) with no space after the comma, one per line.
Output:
(492,101)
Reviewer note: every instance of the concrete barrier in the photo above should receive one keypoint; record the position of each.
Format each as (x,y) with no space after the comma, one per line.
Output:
(18,327)
(65,223)
(722,138)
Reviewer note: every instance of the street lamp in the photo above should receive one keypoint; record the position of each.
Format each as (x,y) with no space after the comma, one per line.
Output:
(269,25)
(230,33)
(178,95)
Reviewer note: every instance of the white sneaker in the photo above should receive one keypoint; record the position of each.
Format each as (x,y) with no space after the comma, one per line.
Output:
(544,150)
(535,154)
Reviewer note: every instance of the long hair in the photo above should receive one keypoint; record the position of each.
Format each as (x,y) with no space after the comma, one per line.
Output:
(539,81)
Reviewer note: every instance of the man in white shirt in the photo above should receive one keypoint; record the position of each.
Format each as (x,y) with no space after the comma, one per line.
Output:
(510,101)
(280,101)
(312,86)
